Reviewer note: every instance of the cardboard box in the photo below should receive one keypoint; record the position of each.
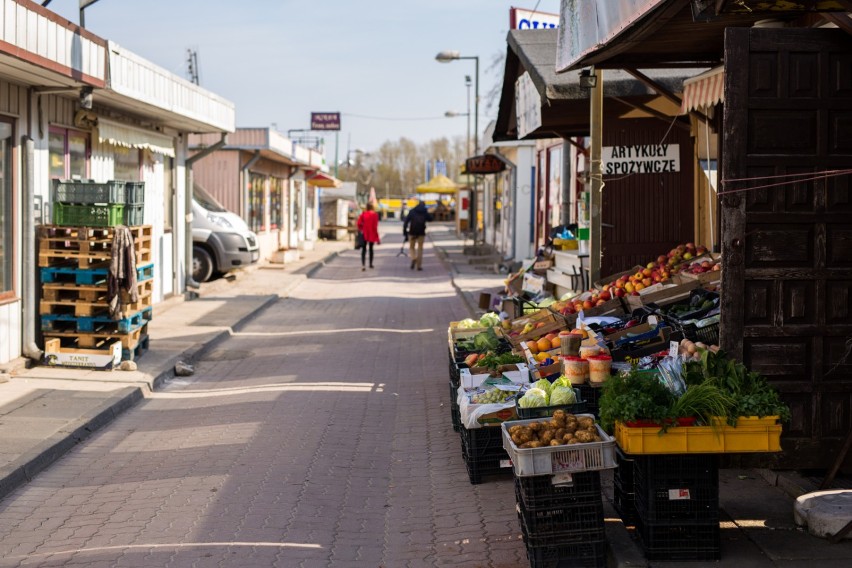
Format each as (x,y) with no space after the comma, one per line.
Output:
(469,380)
(98,359)
(543,264)
(533,283)
(662,296)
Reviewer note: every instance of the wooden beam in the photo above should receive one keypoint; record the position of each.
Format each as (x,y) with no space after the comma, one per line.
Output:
(596,176)
(839,19)
(663,92)
(653,112)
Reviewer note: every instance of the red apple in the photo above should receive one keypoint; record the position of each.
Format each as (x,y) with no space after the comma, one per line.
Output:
(647,282)
(605,296)
(661,259)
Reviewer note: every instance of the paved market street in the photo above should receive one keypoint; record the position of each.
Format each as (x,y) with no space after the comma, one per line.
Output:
(316,436)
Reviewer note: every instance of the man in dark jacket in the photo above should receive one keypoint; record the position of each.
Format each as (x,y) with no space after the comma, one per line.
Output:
(414,228)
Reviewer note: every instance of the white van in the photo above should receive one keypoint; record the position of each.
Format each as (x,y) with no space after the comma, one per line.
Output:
(221,240)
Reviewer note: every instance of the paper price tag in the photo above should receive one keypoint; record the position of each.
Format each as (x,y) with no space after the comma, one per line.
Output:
(673,349)
(652,321)
(679,495)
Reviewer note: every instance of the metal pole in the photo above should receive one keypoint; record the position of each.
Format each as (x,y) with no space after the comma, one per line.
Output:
(473,201)
(467,147)
(336,147)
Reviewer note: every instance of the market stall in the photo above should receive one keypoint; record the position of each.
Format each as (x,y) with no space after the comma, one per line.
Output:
(612,378)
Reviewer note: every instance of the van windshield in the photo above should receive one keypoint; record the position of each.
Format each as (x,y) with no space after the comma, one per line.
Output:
(206,200)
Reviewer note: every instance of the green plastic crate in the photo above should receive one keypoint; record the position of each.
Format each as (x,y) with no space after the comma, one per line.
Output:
(68,215)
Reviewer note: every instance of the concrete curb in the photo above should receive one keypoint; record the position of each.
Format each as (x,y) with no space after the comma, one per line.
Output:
(193,354)
(50,450)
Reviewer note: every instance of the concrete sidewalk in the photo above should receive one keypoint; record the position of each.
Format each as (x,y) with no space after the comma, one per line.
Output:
(44,411)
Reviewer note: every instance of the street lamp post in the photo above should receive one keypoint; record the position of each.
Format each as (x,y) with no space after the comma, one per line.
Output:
(447,57)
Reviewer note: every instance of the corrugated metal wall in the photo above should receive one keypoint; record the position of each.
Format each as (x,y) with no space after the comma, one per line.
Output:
(651,213)
(219,174)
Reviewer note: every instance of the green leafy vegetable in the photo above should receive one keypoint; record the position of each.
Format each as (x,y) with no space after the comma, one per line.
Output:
(562,395)
(533,398)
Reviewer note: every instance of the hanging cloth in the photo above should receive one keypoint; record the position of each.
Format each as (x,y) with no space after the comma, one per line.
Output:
(122,271)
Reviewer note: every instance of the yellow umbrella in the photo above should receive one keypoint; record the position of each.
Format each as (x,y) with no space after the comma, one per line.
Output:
(438,184)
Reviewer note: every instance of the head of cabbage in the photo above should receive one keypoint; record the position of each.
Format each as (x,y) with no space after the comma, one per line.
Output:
(562,395)
(533,398)
(489,320)
(542,384)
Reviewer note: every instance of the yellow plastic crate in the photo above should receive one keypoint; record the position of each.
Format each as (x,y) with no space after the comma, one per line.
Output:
(750,435)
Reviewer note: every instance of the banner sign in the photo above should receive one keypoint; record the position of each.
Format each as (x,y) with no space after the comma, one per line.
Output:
(325,121)
(521,19)
(484,164)
(641,159)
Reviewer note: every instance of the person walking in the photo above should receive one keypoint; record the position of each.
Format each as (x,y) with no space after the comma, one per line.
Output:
(414,228)
(368,224)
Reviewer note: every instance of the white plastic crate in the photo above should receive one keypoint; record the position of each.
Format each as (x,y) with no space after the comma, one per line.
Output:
(574,458)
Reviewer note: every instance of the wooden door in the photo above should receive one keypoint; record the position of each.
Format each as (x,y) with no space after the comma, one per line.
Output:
(646,211)
(787,241)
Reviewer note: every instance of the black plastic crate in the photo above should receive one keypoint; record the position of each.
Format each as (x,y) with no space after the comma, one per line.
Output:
(677,488)
(624,469)
(570,521)
(624,503)
(455,411)
(578,407)
(591,397)
(673,542)
(538,492)
(483,453)
(586,554)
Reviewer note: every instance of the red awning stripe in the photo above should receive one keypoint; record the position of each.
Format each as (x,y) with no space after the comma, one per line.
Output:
(707,89)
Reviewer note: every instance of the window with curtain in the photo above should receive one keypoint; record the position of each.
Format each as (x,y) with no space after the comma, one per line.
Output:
(257,200)
(127,164)
(6,214)
(276,199)
(68,153)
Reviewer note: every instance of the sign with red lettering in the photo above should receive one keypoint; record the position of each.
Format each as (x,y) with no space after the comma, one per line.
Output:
(484,164)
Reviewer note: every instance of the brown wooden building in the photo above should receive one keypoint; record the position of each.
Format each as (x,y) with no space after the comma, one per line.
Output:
(785,192)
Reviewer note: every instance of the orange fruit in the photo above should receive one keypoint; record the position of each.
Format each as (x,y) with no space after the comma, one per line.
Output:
(555,343)
(543,344)
(532,346)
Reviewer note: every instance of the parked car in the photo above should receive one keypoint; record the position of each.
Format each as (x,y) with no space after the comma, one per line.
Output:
(221,239)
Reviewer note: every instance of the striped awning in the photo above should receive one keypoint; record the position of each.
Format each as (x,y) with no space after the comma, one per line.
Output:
(704,90)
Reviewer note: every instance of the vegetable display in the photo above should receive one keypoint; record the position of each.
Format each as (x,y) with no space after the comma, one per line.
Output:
(563,429)
(534,398)
(561,395)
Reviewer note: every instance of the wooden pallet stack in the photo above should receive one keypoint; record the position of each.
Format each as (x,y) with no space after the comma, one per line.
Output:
(74,267)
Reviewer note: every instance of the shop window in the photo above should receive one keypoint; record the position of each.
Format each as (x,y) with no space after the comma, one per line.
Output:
(257,211)
(68,152)
(6,216)
(128,163)
(276,200)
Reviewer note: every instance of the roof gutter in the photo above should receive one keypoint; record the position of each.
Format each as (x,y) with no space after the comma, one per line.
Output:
(188,196)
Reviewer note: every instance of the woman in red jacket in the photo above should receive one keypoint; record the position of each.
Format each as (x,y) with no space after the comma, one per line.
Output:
(368,223)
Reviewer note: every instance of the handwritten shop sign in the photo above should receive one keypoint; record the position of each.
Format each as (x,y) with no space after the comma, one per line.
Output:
(325,121)
(641,159)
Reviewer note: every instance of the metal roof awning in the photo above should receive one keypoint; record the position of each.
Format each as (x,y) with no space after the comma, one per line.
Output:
(128,136)
(320,179)
(707,89)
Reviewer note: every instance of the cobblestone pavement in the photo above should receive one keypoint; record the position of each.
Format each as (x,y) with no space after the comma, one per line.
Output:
(318,435)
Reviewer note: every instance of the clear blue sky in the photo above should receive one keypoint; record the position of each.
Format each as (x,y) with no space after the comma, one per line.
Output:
(278,60)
